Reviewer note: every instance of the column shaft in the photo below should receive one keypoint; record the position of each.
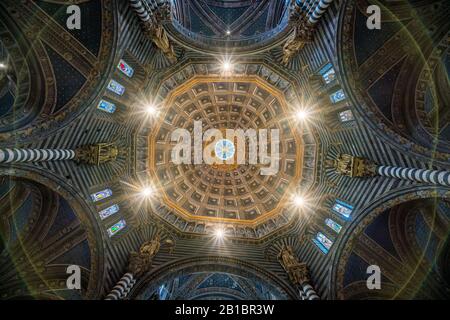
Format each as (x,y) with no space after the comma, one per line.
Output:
(33,155)
(122,288)
(420,175)
(309,291)
(140,10)
(319,11)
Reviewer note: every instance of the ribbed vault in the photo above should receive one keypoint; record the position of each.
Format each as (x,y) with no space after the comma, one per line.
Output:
(211,25)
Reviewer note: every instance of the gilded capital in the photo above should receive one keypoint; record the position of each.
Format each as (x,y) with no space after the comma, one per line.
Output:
(97,154)
(352,166)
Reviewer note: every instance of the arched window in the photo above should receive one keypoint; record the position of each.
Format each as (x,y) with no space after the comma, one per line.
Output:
(116,228)
(108,211)
(125,68)
(333,225)
(328,74)
(343,209)
(322,242)
(116,87)
(100,195)
(106,106)
(338,96)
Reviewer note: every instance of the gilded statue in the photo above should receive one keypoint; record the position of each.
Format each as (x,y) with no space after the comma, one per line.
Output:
(302,34)
(297,271)
(97,154)
(161,40)
(351,166)
(141,262)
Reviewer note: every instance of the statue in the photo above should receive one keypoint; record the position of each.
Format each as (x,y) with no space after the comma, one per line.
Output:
(351,166)
(153,28)
(298,272)
(302,34)
(161,40)
(344,164)
(141,262)
(97,154)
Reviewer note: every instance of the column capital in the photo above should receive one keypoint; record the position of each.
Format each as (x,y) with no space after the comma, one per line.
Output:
(97,154)
(352,166)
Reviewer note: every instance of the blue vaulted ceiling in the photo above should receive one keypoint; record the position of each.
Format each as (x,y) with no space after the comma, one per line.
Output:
(243,18)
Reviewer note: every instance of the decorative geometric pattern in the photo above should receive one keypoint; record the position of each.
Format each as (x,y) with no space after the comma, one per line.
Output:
(230,192)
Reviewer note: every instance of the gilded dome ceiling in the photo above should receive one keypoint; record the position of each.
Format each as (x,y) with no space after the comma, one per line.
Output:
(238,195)
(233,192)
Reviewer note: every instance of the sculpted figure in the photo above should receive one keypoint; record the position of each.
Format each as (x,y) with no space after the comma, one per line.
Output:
(298,272)
(140,262)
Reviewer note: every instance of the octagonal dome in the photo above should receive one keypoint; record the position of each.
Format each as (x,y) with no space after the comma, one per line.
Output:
(197,196)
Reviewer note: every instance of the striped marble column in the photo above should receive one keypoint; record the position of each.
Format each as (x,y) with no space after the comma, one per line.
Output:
(301,294)
(319,11)
(309,291)
(140,10)
(122,288)
(420,175)
(34,155)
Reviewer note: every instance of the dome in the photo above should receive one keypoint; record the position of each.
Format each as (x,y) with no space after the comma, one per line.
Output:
(237,26)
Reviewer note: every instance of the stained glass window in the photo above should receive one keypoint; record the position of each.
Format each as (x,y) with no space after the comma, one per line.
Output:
(116,87)
(337,96)
(343,208)
(328,74)
(323,242)
(333,225)
(346,116)
(125,68)
(108,212)
(106,106)
(101,195)
(116,228)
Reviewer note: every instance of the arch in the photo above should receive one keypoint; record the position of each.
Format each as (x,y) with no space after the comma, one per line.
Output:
(26,77)
(211,264)
(83,212)
(386,82)
(45,102)
(410,257)
(244,19)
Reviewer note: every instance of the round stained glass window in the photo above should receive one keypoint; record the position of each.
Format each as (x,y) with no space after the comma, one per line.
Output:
(224,149)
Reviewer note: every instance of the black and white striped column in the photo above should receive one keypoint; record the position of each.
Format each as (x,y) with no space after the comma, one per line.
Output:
(309,291)
(34,155)
(420,175)
(319,11)
(122,288)
(301,294)
(140,10)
